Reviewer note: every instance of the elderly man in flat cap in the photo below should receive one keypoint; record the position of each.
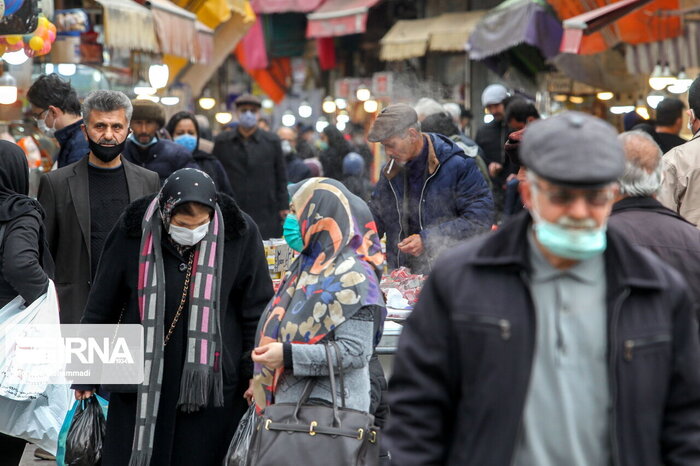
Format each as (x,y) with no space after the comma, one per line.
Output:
(552,341)
(254,162)
(430,196)
(146,149)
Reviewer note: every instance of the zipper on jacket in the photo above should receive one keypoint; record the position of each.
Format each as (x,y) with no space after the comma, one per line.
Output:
(398,209)
(518,433)
(420,211)
(502,324)
(631,345)
(614,447)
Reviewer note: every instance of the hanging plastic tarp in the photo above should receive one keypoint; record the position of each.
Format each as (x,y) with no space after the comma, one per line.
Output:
(128,26)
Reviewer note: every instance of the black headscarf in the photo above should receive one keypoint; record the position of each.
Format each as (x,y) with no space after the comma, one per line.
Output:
(14,183)
(186,185)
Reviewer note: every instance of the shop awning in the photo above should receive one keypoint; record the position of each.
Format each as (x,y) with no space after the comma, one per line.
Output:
(339,18)
(605,70)
(128,25)
(451,31)
(680,52)
(591,21)
(284,6)
(408,38)
(592,26)
(175,28)
(204,45)
(226,37)
(516,22)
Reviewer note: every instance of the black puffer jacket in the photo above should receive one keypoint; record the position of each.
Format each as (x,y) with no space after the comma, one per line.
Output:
(461,373)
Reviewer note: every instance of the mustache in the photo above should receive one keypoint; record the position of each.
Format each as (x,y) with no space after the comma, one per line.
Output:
(582,224)
(108,142)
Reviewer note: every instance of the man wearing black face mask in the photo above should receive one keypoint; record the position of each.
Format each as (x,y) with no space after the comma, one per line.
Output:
(83,200)
(254,163)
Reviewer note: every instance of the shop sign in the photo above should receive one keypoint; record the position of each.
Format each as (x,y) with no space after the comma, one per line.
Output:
(559,83)
(346,88)
(382,84)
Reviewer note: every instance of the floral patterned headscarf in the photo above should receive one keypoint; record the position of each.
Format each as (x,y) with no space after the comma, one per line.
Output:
(334,276)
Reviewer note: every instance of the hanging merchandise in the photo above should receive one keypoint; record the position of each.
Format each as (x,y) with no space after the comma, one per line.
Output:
(20,17)
(34,44)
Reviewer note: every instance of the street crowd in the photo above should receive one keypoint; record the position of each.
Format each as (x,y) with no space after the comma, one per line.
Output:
(557,326)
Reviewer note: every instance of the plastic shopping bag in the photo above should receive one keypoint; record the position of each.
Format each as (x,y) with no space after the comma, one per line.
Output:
(238,450)
(81,437)
(37,420)
(20,380)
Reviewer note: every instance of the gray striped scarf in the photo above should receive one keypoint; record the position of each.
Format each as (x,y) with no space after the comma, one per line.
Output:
(201,376)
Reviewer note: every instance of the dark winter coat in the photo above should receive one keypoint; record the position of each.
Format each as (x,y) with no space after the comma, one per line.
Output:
(72,142)
(645,222)
(200,438)
(455,203)
(212,167)
(297,170)
(463,364)
(256,169)
(164,157)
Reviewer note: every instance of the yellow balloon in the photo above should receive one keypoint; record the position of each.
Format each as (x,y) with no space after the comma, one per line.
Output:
(36,43)
(3,49)
(43,21)
(12,40)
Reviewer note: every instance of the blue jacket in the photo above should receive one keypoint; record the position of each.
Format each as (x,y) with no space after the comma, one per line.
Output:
(455,203)
(164,157)
(73,144)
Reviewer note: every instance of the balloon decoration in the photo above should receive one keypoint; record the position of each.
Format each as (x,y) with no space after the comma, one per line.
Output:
(11,6)
(35,44)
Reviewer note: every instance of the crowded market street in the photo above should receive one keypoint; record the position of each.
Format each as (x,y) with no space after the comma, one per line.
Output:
(349,232)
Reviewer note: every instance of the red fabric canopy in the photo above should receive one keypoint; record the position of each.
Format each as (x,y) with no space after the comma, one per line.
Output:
(339,18)
(631,21)
(284,6)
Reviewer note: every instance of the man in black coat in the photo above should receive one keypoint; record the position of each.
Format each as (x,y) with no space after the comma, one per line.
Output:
(297,170)
(254,163)
(145,149)
(553,340)
(84,200)
(644,221)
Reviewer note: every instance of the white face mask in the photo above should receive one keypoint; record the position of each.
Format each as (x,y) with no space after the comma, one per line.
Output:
(44,128)
(691,120)
(186,237)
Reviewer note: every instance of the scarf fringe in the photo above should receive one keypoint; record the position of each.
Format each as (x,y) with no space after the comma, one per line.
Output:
(140,458)
(195,387)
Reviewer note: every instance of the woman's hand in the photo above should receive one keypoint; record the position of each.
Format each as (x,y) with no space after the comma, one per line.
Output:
(83,394)
(248,395)
(270,355)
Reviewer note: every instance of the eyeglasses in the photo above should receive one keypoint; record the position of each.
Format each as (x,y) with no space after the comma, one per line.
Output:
(37,117)
(565,196)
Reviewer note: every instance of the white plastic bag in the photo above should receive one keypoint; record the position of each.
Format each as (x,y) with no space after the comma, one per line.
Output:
(22,381)
(39,420)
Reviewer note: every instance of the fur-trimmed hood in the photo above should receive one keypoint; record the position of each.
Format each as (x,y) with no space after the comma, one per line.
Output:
(235,223)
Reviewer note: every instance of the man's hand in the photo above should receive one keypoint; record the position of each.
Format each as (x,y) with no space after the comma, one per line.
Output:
(270,355)
(412,245)
(248,395)
(494,169)
(83,394)
(283,213)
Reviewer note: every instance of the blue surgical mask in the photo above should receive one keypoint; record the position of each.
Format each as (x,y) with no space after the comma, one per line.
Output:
(292,233)
(323,145)
(248,119)
(187,141)
(570,243)
(133,139)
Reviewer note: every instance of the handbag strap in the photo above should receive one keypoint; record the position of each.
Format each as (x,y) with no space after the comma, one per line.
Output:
(339,361)
(311,383)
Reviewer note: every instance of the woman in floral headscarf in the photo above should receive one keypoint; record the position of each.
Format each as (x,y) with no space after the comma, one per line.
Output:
(331,292)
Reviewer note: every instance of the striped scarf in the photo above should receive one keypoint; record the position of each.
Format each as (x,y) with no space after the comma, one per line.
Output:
(201,376)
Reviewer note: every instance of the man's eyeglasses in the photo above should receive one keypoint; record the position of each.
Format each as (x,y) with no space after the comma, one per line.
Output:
(565,196)
(37,116)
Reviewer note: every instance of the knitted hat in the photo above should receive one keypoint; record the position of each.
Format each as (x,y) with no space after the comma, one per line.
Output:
(147,110)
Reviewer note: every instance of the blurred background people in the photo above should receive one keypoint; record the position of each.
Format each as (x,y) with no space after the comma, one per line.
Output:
(669,123)
(297,170)
(354,177)
(334,148)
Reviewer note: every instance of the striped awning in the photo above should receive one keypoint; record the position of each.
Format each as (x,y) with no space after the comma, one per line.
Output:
(128,25)
(680,52)
(204,45)
(408,38)
(175,28)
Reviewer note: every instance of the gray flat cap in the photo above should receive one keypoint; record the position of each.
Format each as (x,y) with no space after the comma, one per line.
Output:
(391,121)
(248,99)
(574,149)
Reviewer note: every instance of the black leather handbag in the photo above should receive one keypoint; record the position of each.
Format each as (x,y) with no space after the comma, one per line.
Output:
(307,434)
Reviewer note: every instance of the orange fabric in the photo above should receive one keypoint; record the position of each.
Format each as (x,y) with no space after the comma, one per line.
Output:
(635,28)
(274,79)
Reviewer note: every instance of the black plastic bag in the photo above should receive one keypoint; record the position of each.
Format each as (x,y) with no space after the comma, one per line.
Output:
(86,434)
(238,450)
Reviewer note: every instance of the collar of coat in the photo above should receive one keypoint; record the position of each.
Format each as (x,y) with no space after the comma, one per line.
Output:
(433,161)
(646,204)
(235,223)
(626,265)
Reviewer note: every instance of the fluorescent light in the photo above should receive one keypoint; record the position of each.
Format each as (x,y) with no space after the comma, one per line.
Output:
(267,104)
(142,88)
(653,100)
(288,119)
(223,117)
(329,105)
(15,58)
(48,68)
(363,94)
(344,117)
(207,103)
(67,69)
(305,110)
(152,98)
(158,75)
(575,99)
(321,124)
(371,106)
(605,95)
(643,112)
(621,109)
(341,125)
(170,100)
(341,103)
(8,89)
